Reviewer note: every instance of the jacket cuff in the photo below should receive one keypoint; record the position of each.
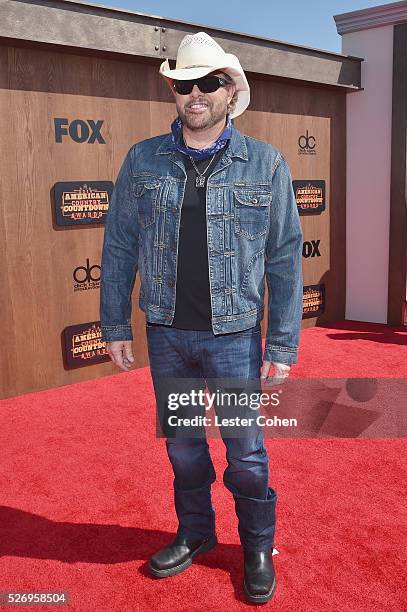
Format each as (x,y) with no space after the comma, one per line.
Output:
(110,333)
(280,354)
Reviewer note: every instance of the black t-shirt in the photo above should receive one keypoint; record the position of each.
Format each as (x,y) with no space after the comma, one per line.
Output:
(193,304)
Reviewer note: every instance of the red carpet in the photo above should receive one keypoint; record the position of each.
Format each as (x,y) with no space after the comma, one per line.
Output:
(86,497)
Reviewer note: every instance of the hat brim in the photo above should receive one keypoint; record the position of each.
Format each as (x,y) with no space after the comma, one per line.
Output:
(184,74)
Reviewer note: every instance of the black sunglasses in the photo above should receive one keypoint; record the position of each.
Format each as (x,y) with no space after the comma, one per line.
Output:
(206,84)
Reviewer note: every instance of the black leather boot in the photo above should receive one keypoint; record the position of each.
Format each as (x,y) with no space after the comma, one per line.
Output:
(259,576)
(178,555)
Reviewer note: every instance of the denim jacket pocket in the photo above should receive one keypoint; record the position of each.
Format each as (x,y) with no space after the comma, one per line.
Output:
(252,210)
(146,194)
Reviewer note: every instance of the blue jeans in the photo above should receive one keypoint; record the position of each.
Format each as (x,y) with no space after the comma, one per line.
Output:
(200,355)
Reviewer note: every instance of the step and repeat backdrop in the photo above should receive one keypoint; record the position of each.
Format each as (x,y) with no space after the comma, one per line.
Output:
(67,122)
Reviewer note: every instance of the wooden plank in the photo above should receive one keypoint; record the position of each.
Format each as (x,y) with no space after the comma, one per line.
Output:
(89,27)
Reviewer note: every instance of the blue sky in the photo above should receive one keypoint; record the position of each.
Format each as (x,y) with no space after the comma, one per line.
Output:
(303,22)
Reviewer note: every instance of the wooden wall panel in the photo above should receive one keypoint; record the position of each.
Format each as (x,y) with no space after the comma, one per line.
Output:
(37,297)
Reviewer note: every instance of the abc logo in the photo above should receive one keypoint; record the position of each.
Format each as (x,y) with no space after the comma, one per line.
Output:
(79,130)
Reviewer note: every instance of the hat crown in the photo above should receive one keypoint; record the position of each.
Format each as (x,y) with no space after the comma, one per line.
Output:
(196,50)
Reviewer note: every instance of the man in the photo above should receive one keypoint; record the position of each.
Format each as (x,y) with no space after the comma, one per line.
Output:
(204,213)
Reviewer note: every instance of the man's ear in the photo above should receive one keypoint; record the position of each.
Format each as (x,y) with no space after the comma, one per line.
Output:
(232,89)
(170,85)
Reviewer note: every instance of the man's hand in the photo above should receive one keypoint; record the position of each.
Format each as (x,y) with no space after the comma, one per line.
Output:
(121,353)
(281,372)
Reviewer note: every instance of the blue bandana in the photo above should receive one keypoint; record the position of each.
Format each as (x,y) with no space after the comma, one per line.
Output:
(221,141)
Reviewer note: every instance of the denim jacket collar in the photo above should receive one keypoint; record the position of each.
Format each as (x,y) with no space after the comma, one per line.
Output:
(236,146)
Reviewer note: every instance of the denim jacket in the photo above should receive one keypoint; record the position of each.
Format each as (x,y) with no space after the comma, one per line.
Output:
(253,232)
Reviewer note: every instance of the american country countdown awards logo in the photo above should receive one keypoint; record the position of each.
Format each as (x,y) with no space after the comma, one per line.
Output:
(310,196)
(86,277)
(307,144)
(79,203)
(83,345)
(313,301)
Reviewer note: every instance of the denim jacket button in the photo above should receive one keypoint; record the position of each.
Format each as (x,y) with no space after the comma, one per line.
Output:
(254,200)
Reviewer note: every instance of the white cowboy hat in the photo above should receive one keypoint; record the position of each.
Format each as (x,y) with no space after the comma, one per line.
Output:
(198,55)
